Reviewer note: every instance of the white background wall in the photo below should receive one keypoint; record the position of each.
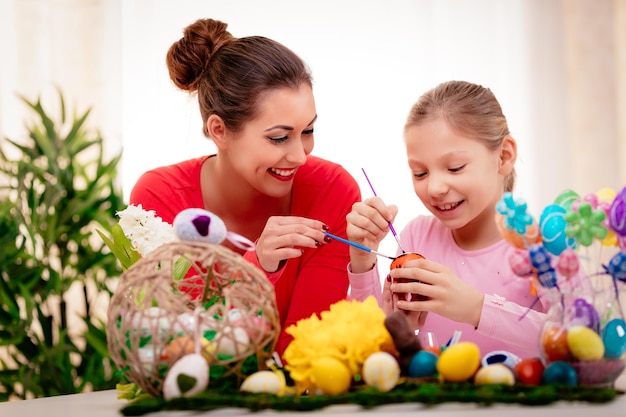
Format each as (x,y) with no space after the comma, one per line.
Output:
(371,60)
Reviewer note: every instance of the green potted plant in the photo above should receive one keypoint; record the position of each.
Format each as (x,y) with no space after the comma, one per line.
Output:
(54,269)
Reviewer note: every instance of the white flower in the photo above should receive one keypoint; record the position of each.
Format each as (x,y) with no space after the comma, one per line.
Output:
(144,229)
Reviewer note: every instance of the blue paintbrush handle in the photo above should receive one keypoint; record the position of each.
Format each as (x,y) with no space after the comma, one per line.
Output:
(356,245)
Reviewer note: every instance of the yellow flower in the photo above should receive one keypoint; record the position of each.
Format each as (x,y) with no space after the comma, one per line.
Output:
(349,332)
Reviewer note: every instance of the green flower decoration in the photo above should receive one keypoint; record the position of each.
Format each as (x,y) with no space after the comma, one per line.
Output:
(585,224)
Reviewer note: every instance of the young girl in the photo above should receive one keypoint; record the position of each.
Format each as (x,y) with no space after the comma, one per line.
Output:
(462,159)
(256,103)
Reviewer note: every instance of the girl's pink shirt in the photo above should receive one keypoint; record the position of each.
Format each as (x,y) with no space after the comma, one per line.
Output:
(506,322)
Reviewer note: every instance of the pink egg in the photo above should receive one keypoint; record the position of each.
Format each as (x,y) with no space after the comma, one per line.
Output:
(520,263)
(567,263)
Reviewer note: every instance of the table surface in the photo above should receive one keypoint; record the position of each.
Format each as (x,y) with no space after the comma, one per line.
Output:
(106,404)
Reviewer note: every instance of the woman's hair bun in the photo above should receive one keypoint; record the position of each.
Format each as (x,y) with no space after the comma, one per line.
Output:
(189,56)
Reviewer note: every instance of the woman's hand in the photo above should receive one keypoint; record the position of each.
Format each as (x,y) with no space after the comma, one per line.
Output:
(445,293)
(284,237)
(416,319)
(367,225)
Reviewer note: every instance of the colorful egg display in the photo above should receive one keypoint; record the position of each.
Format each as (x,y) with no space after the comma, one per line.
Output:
(330,375)
(584,343)
(459,362)
(199,225)
(381,370)
(559,373)
(529,371)
(423,364)
(554,343)
(495,374)
(614,338)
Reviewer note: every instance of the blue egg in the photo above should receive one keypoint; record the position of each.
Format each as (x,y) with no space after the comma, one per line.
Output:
(614,338)
(423,363)
(552,227)
(559,373)
(199,225)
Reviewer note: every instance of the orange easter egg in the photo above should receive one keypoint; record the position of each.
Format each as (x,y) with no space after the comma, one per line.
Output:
(554,344)
(399,262)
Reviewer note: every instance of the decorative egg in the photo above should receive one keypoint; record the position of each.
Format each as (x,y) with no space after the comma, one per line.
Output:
(188,376)
(147,355)
(554,343)
(184,322)
(263,382)
(150,322)
(234,315)
(184,345)
(583,313)
(199,225)
(381,370)
(423,364)
(258,327)
(529,371)
(231,341)
(398,262)
(459,362)
(495,374)
(520,263)
(559,373)
(614,338)
(330,375)
(552,227)
(584,343)
(568,263)
(500,356)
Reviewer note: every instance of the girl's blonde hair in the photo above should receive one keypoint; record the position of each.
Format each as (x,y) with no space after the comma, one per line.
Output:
(469,109)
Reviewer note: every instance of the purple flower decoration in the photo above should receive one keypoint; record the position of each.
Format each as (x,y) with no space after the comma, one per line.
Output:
(585,224)
(514,212)
(582,313)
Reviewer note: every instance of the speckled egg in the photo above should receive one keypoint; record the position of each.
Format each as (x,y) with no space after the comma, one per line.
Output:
(614,338)
(199,225)
(584,343)
(381,370)
(423,364)
(459,362)
(495,374)
(330,375)
(559,373)
(263,382)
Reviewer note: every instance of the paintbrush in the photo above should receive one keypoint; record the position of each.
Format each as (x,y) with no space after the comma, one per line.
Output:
(393,231)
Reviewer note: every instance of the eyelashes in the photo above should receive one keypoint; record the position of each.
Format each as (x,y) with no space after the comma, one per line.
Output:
(281,139)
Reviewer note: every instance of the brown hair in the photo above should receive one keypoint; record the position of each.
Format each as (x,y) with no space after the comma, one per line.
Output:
(228,73)
(468,108)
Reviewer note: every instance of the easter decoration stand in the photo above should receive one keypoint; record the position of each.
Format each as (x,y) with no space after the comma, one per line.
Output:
(192,314)
(583,339)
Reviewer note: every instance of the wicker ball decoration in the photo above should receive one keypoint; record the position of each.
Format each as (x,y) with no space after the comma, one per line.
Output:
(223,308)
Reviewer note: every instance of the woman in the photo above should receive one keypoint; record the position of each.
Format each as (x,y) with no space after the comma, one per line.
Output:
(257,105)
